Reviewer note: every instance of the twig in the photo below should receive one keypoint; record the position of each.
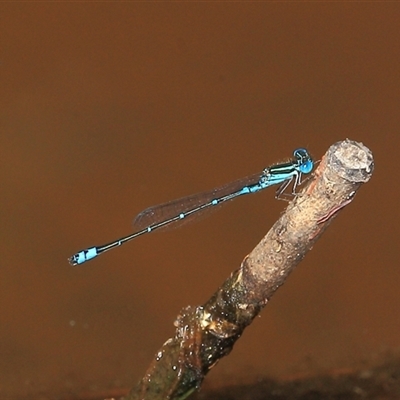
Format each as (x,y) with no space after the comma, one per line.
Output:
(206,333)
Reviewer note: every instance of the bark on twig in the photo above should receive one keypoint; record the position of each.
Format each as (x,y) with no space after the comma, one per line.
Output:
(206,333)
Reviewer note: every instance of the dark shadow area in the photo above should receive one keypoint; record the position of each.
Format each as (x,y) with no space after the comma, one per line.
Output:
(374,381)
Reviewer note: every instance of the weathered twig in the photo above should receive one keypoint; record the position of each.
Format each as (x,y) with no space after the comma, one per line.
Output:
(206,333)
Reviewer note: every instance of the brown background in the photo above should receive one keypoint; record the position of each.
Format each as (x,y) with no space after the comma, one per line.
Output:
(109,108)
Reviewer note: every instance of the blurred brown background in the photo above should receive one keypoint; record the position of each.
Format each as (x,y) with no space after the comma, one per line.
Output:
(109,108)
